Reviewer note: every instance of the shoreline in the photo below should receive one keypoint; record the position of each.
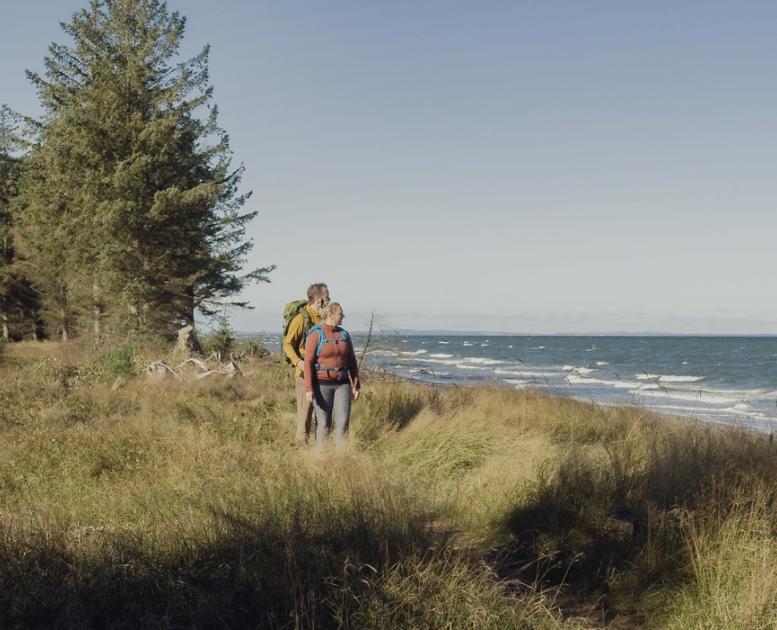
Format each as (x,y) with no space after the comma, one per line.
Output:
(766,426)
(392,377)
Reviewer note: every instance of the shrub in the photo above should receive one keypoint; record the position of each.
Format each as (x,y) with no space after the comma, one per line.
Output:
(222,341)
(119,361)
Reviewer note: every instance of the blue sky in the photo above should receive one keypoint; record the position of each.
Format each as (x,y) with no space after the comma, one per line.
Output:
(499,166)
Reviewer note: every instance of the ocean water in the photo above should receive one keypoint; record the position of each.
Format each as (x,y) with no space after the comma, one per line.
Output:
(720,379)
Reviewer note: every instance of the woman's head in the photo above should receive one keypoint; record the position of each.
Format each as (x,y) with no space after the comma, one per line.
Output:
(332,313)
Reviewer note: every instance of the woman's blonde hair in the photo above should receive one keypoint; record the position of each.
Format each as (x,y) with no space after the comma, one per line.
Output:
(330,309)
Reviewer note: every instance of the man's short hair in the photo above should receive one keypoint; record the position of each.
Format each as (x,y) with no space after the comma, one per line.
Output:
(316,291)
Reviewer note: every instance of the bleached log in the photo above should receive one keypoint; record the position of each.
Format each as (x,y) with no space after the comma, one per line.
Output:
(159,370)
(201,365)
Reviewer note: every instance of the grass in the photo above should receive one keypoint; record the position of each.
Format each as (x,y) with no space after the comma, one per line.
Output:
(168,504)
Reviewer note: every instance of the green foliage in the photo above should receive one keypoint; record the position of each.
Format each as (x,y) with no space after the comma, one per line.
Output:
(222,340)
(16,295)
(254,348)
(131,217)
(120,361)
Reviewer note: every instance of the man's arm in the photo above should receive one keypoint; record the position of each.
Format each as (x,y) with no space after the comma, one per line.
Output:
(293,340)
(310,358)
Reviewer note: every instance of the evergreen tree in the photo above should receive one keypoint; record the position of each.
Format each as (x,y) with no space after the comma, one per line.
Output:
(15,294)
(130,195)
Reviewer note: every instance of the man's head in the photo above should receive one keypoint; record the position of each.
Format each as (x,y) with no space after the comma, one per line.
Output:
(318,295)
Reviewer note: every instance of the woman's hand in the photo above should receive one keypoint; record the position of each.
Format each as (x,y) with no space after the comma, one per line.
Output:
(355,393)
(309,396)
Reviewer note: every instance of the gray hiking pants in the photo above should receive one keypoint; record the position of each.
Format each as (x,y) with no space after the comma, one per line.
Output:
(332,402)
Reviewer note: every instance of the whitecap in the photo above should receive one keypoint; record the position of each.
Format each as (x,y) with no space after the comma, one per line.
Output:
(441,356)
(671,378)
(518,383)
(701,396)
(467,343)
(600,363)
(584,370)
(668,378)
(413,353)
(464,366)
(532,373)
(744,410)
(484,361)
(537,348)
(444,342)
(576,379)
(438,361)
(568,368)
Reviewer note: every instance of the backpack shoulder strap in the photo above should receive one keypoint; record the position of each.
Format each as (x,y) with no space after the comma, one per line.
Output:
(321,337)
(307,323)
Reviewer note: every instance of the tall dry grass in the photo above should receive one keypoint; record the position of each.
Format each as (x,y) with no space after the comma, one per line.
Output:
(733,559)
(186,504)
(127,503)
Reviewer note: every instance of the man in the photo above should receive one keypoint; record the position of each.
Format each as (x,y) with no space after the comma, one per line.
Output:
(294,347)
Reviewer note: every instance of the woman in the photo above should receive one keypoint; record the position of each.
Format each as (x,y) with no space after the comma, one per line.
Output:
(331,374)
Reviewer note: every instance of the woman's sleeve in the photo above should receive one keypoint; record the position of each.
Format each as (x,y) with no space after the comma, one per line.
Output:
(310,359)
(353,366)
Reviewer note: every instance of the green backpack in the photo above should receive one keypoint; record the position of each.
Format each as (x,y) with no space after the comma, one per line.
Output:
(290,311)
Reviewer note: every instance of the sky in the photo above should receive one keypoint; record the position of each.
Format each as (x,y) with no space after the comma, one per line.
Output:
(540,167)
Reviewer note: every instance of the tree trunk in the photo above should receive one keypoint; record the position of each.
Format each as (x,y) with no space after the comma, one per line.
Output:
(65,332)
(4,318)
(98,312)
(98,328)
(189,315)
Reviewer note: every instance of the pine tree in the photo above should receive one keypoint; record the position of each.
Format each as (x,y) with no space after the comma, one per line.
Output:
(15,294)
(44,233)
(130,192)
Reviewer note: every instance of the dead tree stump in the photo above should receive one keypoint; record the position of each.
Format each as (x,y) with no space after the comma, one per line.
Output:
(188,344)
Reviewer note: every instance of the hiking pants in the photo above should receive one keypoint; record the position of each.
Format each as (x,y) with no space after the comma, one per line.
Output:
(332,402)
(304,412)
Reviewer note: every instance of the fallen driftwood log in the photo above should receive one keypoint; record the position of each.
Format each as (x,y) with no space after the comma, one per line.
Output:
(201,369)
(159,370)
(199,363)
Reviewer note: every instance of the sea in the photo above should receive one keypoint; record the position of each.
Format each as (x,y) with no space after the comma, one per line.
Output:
(731,380)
